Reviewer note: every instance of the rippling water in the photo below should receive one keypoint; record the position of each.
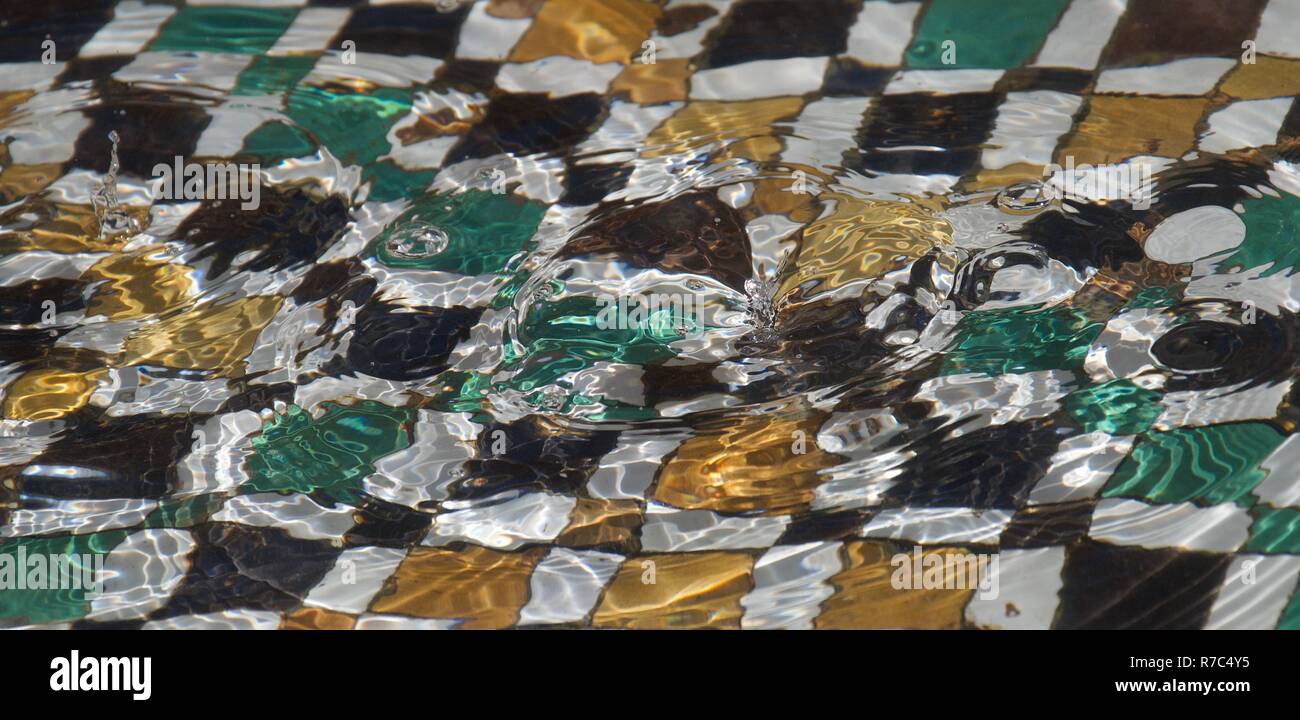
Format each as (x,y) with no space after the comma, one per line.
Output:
(413,388)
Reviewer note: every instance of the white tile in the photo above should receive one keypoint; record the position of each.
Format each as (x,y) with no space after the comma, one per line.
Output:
(133,25)
(357,576)
(790,583)
(566,585)
(486,37)
(1081,34)
(141,573)
(1080,467)
(297,514)
(668,529)
(1254,593)
(881,32)
(380,69)
(1246,124)
(402,622)
(1028,127)
(534,517)
(1277,29)
(231,619)
(1191,76)
(938,525)
(311,31)
(1281,488)
(231,123)
(1218,528)
(558,76)
(217,71)
(1023,592)
(943,82)
(824,131)
(760,79)
(29,75)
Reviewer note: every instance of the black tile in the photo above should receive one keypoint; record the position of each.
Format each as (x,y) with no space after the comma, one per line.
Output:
(154,128)
(96,69)
(765,30)
(847,76)
(588,184)
(405,29)
(898,125)
(471,76)
(1065,80)
(24,303)
(133,457)
(1159,31)
(399,343)
(823,526)
(250,568)
(1038,526)
(288,228)
(387,524)
(68,23)
(1118,587)
(694,233)
(993,467)
(527,123)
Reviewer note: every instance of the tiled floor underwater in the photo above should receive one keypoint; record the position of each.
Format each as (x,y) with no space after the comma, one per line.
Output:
(275,421)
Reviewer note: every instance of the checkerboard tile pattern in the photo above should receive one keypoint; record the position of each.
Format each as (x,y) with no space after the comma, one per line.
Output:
(325,483)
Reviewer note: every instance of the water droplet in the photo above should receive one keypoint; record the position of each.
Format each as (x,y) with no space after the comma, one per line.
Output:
(1024,197)
(417,241)
(114,220)
(551,397)
(695,284)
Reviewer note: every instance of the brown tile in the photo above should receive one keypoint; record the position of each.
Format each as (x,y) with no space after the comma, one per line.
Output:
(1117,128)
(603,523)
(746,464)
(49,393)
(137,285)
(317,619)
(708,122)
(1158,31)
(866,599)
(1268,77)
(601,31)
(19,180)
(212,337)
(485,588)
(690,590)
(664,81)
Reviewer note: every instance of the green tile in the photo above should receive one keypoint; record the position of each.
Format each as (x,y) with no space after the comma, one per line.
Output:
(276,141)
(24,607)
(331,454)
(354,126)
(562,336)
(484,230)
(1291,615)
(1275,530)
(273,75)
(224,29)
(987,33)
(1020,340)
(1214,464)
(1272,225)
(389,182)
(1117,407)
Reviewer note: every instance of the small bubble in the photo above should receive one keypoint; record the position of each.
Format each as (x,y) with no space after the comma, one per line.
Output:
(417,241)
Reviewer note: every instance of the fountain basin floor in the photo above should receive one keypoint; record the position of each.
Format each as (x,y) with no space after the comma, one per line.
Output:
(401,391)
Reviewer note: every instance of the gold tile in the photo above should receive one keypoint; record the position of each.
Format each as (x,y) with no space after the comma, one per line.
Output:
(746,464)
(600,31)
(1118,128)
(309,618)
(865,598)
(746,125)
(212,337)
(1010,175)
(59,227)
(49,393)
(484,588)
(602,522)
(775,196)
(690,590)
(856,240)
(137,285)
(1268,77)
(664,81)
(20,180)
(514,9)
